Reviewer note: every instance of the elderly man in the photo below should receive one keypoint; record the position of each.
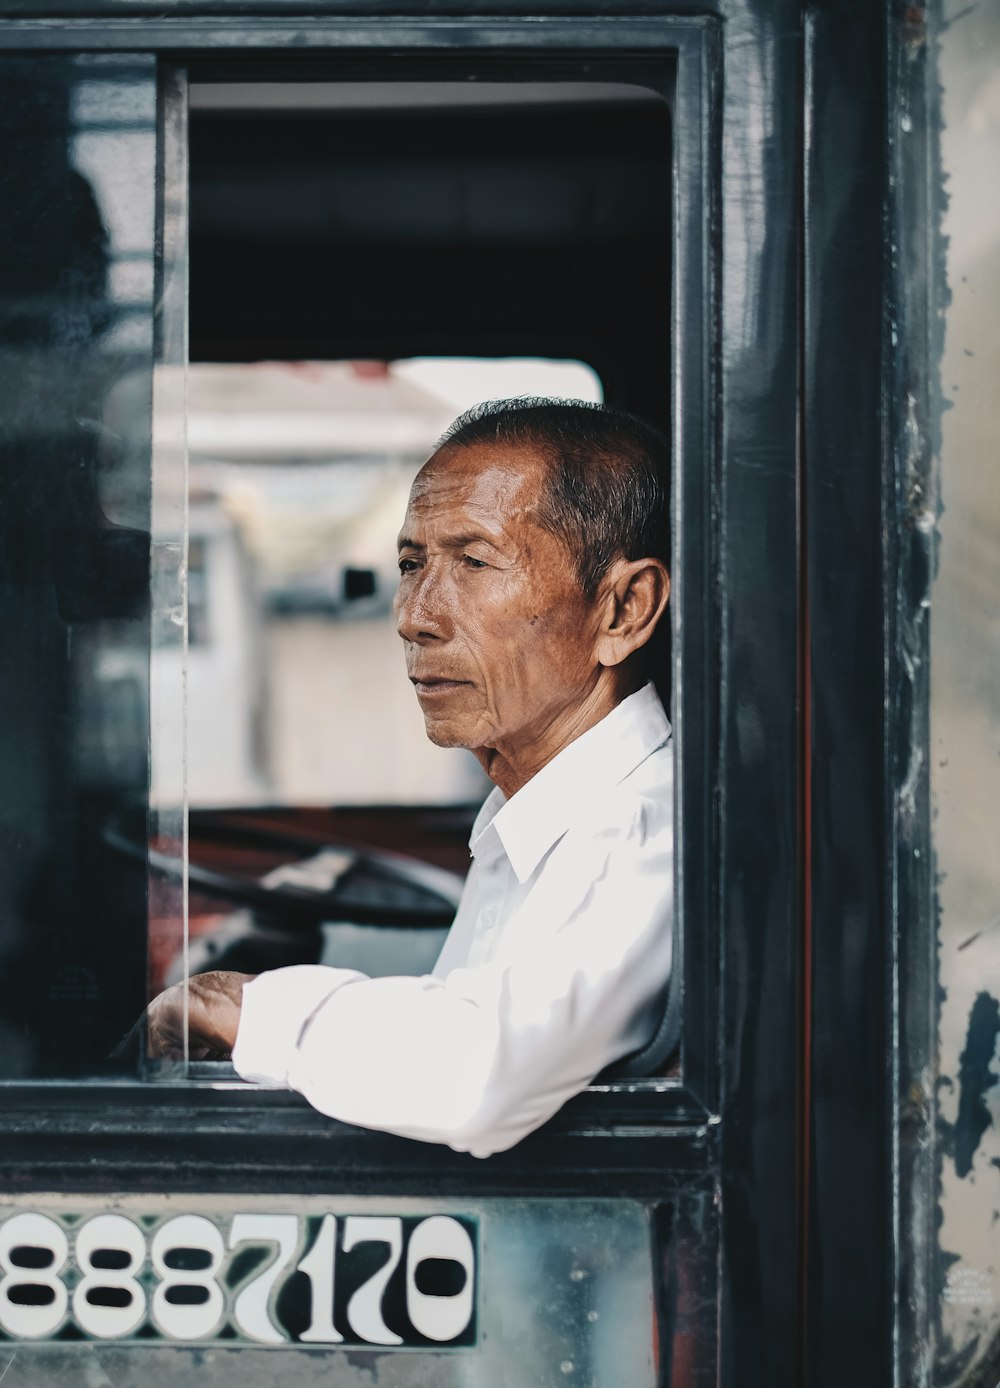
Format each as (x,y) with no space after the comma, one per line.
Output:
(532,578)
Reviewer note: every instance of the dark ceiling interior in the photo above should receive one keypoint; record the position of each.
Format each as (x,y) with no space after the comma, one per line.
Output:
(506,230)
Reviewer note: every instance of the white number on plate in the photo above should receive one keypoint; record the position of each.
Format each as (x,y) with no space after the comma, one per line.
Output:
(33,1297)
(108,1302)
(439,1317)
(176,1311)
(318,1266)
(251,1311)
(364,1310)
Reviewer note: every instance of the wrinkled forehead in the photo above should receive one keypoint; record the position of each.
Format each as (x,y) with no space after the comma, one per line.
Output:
(500,480)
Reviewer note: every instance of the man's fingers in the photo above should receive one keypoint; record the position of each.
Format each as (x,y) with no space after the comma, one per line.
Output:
(212,1011)
(165,1025)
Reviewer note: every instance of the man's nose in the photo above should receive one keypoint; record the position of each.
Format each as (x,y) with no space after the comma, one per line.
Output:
(421,610)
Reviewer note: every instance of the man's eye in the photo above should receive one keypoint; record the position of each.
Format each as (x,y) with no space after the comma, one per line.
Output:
(471,562)
(407,566)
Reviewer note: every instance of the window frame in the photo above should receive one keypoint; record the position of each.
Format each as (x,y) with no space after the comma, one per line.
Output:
(737,365)
(636,1113)
(679,74)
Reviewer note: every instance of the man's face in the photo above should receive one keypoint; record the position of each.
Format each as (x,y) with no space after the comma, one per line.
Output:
(499,636)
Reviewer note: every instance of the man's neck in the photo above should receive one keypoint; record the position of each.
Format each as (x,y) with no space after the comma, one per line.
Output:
(510,767)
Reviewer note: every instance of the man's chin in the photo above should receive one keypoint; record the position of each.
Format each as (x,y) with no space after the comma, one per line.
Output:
(450,731)
(444,733)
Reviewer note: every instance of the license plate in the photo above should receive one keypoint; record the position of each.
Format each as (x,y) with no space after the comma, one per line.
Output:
(325,1278)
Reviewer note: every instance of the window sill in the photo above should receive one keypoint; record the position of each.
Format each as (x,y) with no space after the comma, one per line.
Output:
(221,1133)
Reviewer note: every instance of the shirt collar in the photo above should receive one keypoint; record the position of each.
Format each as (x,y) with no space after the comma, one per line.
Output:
(530,822)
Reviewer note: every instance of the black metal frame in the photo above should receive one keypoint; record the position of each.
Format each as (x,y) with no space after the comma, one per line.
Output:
(849,519)
(782,526)
(914,406)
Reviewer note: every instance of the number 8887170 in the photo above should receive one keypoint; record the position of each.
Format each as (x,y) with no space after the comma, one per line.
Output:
(270,1279)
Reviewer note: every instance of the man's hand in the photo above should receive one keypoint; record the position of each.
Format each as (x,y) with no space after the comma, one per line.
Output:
(213,1007)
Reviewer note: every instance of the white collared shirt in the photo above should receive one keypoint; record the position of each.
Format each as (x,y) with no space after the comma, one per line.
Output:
(556,965)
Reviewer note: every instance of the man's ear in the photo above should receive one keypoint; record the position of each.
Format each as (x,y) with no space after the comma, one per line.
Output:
(635,593)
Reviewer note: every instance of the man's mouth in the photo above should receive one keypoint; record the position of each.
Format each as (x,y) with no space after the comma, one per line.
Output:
(427,686)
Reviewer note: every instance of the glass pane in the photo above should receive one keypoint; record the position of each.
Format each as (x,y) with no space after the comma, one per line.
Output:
(170,554)
(77,167)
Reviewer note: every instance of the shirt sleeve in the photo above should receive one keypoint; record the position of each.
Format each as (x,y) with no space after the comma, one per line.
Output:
(480,1058)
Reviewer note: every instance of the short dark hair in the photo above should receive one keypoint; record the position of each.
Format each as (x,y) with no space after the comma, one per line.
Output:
(607,495)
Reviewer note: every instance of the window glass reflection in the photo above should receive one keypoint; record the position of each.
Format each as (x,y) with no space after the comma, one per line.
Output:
(77,168)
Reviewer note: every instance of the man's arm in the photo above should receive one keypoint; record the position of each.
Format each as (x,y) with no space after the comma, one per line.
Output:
(482,1057)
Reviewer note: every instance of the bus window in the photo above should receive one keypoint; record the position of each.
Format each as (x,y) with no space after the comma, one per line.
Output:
(342,269)
(366,261)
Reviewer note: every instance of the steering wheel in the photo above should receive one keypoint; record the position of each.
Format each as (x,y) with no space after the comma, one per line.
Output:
(328,881)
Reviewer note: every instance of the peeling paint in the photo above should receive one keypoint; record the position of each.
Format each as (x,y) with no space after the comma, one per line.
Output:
(974,1078)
